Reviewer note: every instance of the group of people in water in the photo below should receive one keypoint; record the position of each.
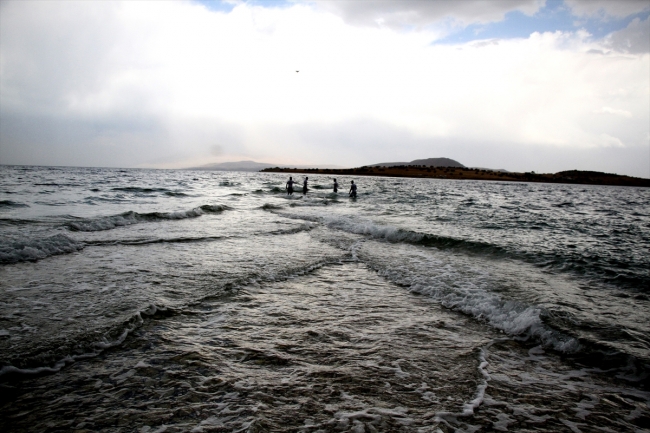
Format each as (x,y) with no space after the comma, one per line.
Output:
(290,182)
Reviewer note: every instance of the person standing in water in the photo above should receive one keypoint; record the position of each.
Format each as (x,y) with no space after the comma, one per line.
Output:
(304,186)
(336,186)
(353,190)
(289,186)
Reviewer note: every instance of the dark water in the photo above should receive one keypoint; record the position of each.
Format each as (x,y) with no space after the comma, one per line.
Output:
(155,300)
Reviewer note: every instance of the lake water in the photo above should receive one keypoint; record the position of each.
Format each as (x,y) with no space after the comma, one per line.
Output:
(170,300)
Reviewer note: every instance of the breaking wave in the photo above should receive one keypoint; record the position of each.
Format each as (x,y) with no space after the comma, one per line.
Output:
(129,218)
(15,251)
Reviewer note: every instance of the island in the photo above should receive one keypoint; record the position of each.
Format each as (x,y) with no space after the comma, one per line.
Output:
(438,172)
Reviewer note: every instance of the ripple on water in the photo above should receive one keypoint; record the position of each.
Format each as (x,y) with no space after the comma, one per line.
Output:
(321,352)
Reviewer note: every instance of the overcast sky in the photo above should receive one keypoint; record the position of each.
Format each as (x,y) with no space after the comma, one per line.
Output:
(516,84)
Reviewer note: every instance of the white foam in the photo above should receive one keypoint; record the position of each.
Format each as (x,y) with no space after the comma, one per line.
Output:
(470,407)
(479,395)
(360,226)
(456,289)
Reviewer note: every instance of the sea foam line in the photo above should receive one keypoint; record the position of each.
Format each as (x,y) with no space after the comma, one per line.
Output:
(472,297)
(512,317)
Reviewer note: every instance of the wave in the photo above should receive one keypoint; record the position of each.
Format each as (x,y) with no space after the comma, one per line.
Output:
(606,270)
(146,241)
(135,189)
(467,289)
(36,249)
(564,204)
(52,361)
(463,290)
(392,233)
(5,204)
(131,217)
(56,356)
(17,222)
(305,201)
(58,184)
(474,296)
(512,317)
(269,206)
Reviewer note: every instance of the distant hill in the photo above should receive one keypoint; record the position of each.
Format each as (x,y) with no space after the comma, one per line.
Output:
(247,166)
(258,166)
(234,166)
(429,162)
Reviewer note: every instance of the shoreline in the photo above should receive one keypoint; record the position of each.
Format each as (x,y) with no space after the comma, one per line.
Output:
(423,172)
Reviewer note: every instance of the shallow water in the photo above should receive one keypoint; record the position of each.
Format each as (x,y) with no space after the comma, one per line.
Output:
(145,300)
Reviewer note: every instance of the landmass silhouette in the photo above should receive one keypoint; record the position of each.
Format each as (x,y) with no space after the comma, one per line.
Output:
(445,168)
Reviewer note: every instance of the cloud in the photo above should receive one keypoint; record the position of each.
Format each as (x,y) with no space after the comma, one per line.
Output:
(609,141)
(416,13)
(615,111)
(618,8)
(173,84)
(634,39)
(51,53)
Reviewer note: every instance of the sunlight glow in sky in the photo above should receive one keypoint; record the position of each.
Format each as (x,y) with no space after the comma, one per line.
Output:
(519,84)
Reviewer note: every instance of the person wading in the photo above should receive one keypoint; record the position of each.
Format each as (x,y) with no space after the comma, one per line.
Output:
(289,186)
(353,190)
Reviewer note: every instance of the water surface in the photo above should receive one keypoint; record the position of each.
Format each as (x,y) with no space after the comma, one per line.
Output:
(161,300)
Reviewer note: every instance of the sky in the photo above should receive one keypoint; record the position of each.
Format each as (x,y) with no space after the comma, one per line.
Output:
(522,85)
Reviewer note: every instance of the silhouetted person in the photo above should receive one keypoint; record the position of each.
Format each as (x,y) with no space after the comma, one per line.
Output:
(289,186)
(336,186)
(353,190)
(304,186)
